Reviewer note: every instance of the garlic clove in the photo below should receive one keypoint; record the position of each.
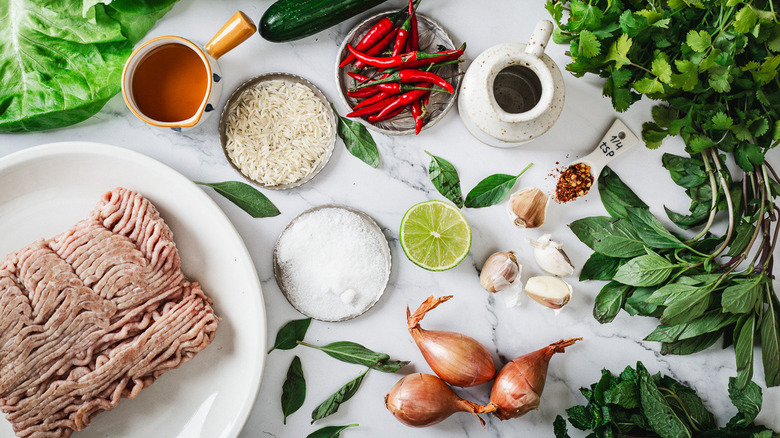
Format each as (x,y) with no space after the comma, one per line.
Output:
(548,291)
(550,256)
(500,271)
(528,207)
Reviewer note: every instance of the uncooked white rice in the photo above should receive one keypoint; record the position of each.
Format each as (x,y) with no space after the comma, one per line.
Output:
(278,132)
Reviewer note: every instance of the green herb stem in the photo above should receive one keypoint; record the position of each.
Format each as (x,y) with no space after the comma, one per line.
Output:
(713,209)
(729,205)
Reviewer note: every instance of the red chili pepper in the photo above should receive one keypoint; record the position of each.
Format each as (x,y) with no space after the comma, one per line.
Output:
(363,92)
(373,108)
(373,36)
(377,48)
(403,32)
(417,114)
(407,60)
(393,87)
(372,100)
(376,118)
(401,101)
(414,35)
(407,76)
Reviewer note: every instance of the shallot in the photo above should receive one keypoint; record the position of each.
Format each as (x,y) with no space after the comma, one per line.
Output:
(458,359)
(421,400)
(520,383)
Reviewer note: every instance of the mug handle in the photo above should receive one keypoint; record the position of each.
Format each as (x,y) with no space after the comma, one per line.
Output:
(237,29)
(539,38)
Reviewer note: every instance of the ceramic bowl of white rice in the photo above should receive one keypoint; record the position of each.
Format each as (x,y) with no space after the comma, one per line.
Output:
(278,130)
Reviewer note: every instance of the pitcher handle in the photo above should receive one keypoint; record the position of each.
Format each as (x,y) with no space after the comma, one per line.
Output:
(539,38)
(237,29)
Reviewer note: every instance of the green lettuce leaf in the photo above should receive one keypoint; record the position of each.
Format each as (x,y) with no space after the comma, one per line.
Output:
(61,60)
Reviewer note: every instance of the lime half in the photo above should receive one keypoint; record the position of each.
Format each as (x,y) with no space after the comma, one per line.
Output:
(435,235)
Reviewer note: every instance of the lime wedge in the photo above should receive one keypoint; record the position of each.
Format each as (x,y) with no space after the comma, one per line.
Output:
(435,235)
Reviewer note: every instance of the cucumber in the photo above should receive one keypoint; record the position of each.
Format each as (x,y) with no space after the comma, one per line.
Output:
(288,20)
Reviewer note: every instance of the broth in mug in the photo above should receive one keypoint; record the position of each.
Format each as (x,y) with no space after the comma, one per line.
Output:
(170,83)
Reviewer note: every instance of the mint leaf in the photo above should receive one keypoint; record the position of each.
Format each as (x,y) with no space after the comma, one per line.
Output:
(659,414)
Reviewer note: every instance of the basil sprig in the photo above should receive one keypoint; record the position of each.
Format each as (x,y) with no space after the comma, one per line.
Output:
(245,196)
(288,336)
(492,190)
(358,140)
(332,403)
(351,352)
(329,431)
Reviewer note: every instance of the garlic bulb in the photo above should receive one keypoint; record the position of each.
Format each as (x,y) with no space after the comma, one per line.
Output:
(550,292)
(500,271)
(551,257)
(528,207)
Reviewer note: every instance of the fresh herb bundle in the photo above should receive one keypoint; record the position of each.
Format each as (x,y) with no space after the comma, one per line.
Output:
(638,404)
(696,297)
(714,63)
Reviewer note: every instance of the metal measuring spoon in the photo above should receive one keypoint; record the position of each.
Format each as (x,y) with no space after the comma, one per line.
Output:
(616,141)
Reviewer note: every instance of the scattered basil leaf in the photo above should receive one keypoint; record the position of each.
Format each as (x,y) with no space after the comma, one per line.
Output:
(492,190)
(245,196)
(659,414)
(358,140)
(288,336)
(445,178)
(329,431)
(352,352)
(609,301)
(600,267)
(332,403)
(293,389)
(647,270)
(616,196)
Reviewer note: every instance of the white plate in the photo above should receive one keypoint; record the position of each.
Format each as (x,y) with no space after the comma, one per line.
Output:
(46,189)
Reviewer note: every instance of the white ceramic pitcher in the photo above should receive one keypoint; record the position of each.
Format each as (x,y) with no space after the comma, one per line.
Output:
(512,92)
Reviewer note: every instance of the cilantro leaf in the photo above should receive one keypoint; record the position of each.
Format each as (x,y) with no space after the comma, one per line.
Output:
(618,51)
(648,86)
(688,77)
(590,46)
(698,41)
(745,19)
(721,121)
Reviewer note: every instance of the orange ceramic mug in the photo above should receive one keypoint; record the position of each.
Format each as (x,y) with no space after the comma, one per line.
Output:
(170,81)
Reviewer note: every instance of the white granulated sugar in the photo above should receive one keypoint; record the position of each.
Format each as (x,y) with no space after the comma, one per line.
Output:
(333,263)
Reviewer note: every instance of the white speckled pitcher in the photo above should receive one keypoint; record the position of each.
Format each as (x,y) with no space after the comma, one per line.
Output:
(513,92)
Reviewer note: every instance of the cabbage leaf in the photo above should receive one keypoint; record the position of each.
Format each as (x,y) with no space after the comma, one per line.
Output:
(61,60)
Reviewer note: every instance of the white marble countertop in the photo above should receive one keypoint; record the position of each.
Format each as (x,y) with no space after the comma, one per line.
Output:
(387,192)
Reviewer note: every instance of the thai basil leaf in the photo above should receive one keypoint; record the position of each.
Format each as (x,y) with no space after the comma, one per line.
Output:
(611,237)
(352,352)
(651,231)
(329,431)
(609,301)
(742,296)
(659,414)
(62,61)
(331,405)
(616,196)
(744,335)
(492,190)
(445,178)
(647,270)
(245,196)
(699,214)
(637,303)
(744,232)
(690,345)
(685,172)
(600,267)
(288,336)
(747,399)
(770,344)
(358,140)
(293,389)
(670,292)
(686,308)
(712,321)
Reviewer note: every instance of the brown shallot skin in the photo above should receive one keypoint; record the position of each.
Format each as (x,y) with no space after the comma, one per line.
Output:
(457,359)
(520,383)
(421,400)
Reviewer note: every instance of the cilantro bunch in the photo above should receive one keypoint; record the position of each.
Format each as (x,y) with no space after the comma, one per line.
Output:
(638,404)
(714,64)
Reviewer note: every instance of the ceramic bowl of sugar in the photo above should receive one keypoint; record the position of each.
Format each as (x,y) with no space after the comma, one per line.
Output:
(332,263)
